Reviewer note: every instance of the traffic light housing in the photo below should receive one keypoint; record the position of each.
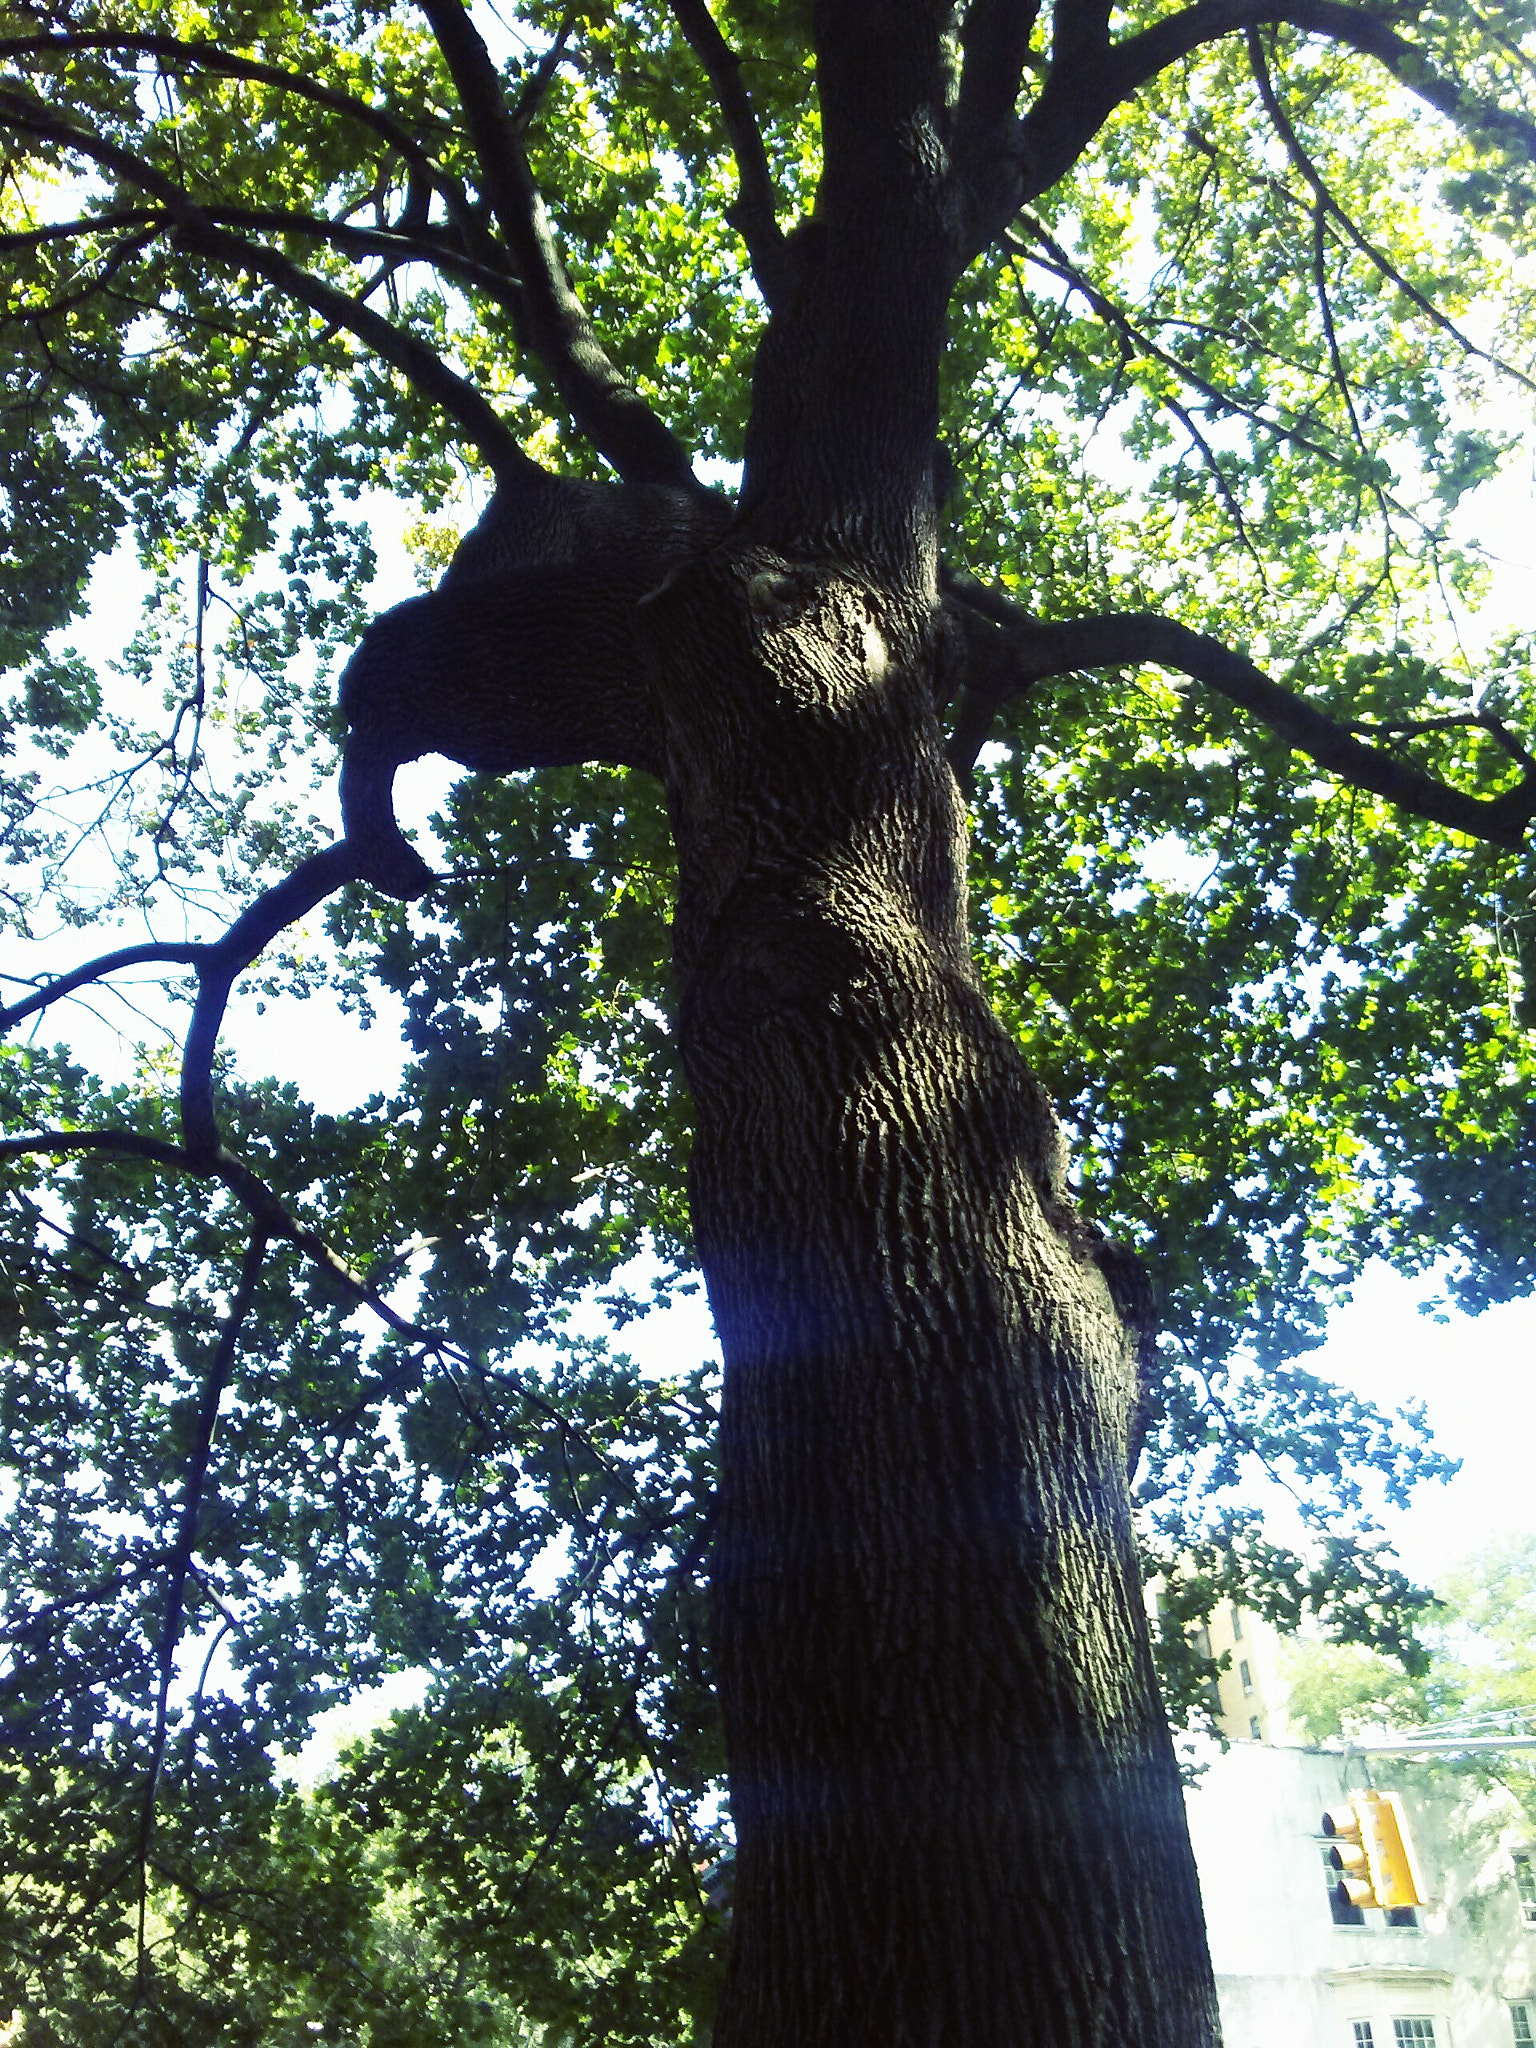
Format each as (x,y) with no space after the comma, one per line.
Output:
(1372,1850)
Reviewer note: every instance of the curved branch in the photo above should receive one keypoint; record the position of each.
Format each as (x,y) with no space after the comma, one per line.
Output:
(153,953)
(131,1144)
(220,965)
(1139,59)
(405,352)
(606,407)
(1128,639)
(560,641)
(754,212)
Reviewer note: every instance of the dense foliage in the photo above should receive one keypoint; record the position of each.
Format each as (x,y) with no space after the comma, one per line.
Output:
(1250,364)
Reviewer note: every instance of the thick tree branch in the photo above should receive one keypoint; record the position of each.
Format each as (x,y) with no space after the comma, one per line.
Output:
(1079,31)
(221,965)
(995,39)
(108,222)
(1465,721)
(420,365)
(1117,640)
(754,212)
(1141,57)
(506,667)
(840,445)
(608,410)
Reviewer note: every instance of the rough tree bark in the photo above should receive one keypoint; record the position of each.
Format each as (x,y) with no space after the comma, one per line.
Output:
(957,1812)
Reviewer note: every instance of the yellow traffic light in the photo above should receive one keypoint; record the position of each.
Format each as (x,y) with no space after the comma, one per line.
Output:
(1372,1850)
(1346,1852)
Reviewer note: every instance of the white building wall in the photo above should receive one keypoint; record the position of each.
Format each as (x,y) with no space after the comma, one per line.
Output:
(1287,1975)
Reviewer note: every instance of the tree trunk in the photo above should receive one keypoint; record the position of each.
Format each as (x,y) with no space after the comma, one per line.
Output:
(957,1812)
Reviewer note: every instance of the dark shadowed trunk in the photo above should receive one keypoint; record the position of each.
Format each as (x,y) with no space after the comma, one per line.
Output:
(958,1819)
(957,1810)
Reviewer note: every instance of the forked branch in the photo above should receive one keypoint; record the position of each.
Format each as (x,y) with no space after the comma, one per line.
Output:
(1089,78)
(1031,650)
(219,964)
(995,37)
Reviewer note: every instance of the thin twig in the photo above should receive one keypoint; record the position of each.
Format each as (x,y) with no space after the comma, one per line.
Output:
(1281,122)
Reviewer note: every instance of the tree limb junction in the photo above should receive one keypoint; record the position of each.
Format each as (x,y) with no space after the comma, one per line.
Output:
(1087,81)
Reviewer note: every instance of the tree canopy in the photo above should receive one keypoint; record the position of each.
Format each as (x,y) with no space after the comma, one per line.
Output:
(1244,326)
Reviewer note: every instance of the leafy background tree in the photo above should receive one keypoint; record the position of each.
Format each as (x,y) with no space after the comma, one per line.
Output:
(324,1415)
(1481,1638)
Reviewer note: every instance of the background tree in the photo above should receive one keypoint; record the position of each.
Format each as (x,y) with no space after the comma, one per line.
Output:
(1481,1640)
(1103,388)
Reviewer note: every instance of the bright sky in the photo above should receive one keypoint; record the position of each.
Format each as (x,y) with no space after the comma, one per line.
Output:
(1477,1380)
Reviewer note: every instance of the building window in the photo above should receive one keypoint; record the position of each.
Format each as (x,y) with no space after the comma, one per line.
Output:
(1237,1637)
(1344,1913)
(1402,1916)
(1245,1675)
(1525,1885)
(1254,1730)
(1413,2030)
(1520,2025)
(1364,2036)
